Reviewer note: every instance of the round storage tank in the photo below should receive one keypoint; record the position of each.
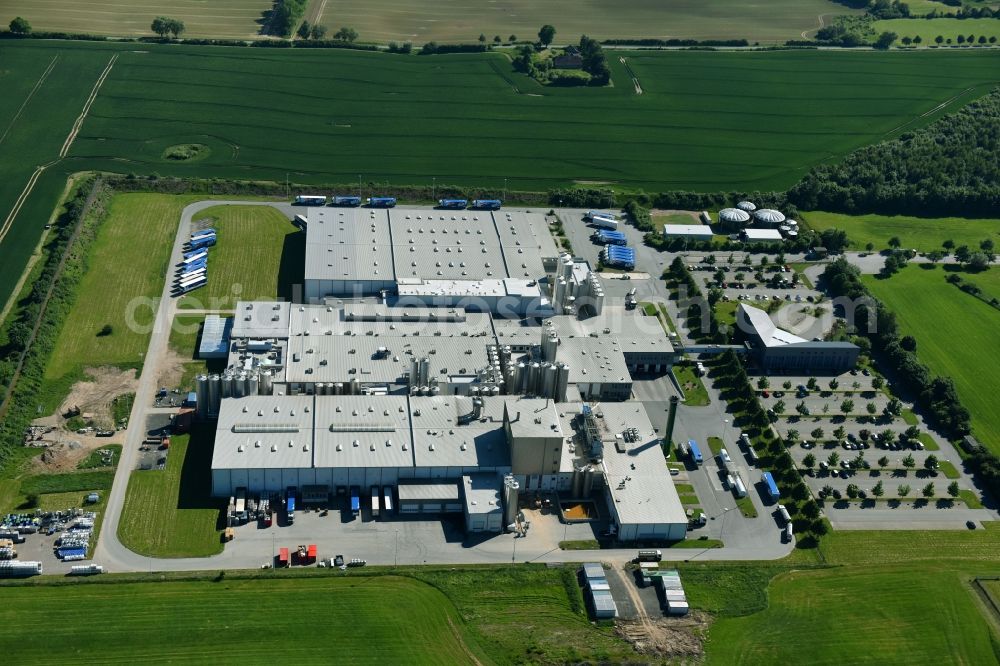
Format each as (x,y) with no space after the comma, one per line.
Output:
(748,206)
(769,217)
(734,216)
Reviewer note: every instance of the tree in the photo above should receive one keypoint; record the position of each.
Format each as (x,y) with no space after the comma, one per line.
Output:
(303,31)
(105,331)
(512,39)
(786,385)
(883,462)
(869,246)
(918,39)
(939,39)
(497,40)
(779,407)
(903,490)
(839,433)
(802,409)
(482,38)
(817,433)
(982,39)
(346,34)
(931,463)
(961,39)
(161,26)
(878,489)
(710,260)
(962,254)
(948,244)
(935,256)
(319,32)
(847,406)
(792,436)
(928,490)
(20,26)
(877,382)
(895,243)
(907,40)
(176,27)
(763,383)
(871,408)
(988,246)
(852,490)
(908,342)
(885,40)
(953,489)
(812,384)
(809,461)
(834,384)
(909,462)
(833,459)
(978,261)
(546,34)
(888,436)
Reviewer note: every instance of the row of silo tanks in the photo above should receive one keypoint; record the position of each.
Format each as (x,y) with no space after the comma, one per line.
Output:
(568,296)
(232,383)
(746,213)
(540,379)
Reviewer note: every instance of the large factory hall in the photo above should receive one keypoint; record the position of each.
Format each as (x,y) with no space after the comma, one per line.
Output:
(453,387)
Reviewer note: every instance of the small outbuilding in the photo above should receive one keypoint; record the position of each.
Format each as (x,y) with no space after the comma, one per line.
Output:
(690,231)
(761,236)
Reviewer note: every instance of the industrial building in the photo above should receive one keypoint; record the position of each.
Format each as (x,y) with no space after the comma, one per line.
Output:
(466,382)
(778,350)
(689,231)
(761,236)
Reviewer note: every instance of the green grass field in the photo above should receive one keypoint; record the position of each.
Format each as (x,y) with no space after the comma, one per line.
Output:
(247,262)
(136,237)
(464,119)
(220,19)
(342,620)
(952,329)
(168,513)
(889,597)
(948,28)
(920,233)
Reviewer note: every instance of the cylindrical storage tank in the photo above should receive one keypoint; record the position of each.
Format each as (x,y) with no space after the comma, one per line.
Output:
(338,388)
(550,345)
(792,223)
(355,386)
(549,381)
(534,383)
(266,386)
(562,382)
(425,370)
(769,217)
(214,393)
(793,234)
(524,377)
(588,481)
(494,390)
(201,390)
(748,206)
(252,384)
(576,483)
(473,391)
(734,216)
(436,390)
(226,386)
(511,490)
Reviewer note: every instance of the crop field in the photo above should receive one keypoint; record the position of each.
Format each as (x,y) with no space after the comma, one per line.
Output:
(919,233)
(928,29)
(706,121)
(221,19)
(461,21)
(236,622)
(168,513)
(258,256)
(127,262)
(952,330)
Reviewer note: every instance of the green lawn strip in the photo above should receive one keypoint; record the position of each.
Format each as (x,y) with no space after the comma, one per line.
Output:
(582,544)
(800,268)
(909,418)
(695,393)
(746,507)
(689,500)
(921,234)
(169,512)
(971,499)
(40,484)
(929,442)
(674,218)
(949,28)
(715,445)
(949,471)
(185,333)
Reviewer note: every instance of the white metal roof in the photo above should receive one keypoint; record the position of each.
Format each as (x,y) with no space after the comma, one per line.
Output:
(482,493)
(261,319)
(264,431)
(687,230)
(762,234)
(769,334)
(362,431)
(440,441)
(348,244)
(427,491)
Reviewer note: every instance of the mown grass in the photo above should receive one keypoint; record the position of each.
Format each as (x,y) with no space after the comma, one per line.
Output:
(952,329)
(929,29)
(40,484)
(184,621)
(94,460)
(169,512)
(695,393)
(919,233)
(254,243)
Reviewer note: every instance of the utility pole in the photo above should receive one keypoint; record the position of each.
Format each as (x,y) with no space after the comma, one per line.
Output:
(505,189)
(434,185)
(395,557)
(359,184)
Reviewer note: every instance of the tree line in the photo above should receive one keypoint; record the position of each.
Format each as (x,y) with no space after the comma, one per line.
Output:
(947,168)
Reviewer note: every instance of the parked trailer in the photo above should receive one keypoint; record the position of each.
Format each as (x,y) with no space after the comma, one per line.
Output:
(310,200)
(486,204)
(788,534)
(86,569)
(345,201)
(181,290)
(72,554)
(784,514)
(453,204)
(381,202)
(695,452)
(618,257)
(282,558)
(197,236)
(375,501)
(201,243)
(191,253)
(739,487)
(770,486)
(187,261)
(201,264)
(290,504)
(752,455)
(355,500)
(197,272)
(650,556)
(604,223)
(19,568)
(608,237)
(300,221)
(194,279)
(387,499)
(594,214)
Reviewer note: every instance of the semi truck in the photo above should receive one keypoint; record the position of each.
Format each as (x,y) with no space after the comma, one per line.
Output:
(375,501)
(381,202)
(605,223)
(310,200)
(387,499)
(290,505)
(453,204)
(300,221)
(609,237)
(486,204)
(770,486)
(649,556)
(345,201)
(355,500)
(695,452)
